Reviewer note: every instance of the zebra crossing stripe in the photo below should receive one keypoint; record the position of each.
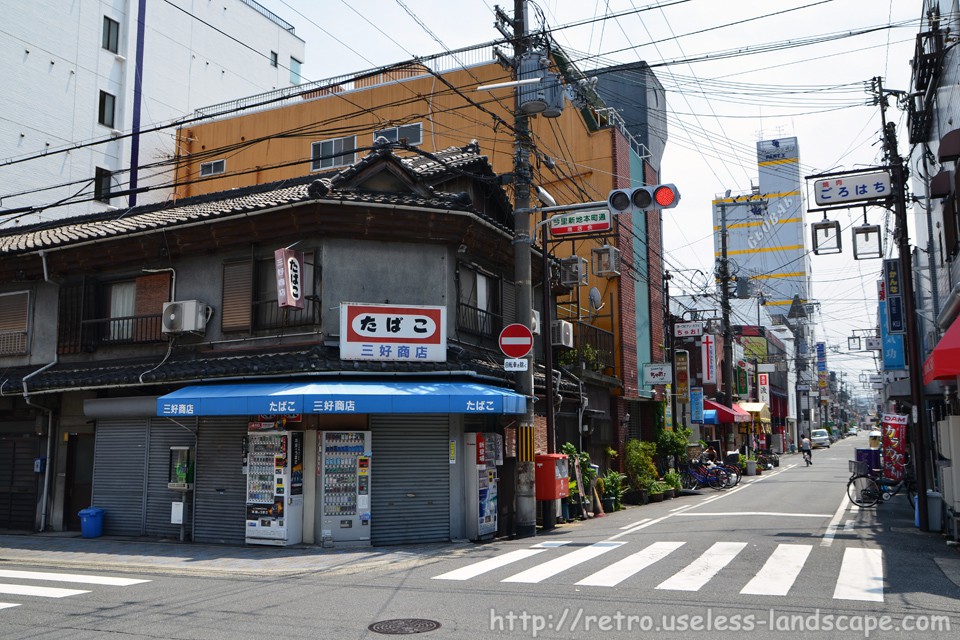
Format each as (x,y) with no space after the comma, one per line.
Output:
(555,566)
(69,577)
(861,575)
(476,569)
(699,573)
(623,569)
(43,592)
(779,571)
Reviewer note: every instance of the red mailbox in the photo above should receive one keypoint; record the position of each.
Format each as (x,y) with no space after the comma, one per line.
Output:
(552,476)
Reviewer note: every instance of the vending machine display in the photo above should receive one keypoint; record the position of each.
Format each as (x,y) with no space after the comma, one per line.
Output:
(344,466)
(274,487)
(482,483)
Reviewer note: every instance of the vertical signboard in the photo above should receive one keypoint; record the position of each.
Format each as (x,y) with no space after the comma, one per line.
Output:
(708,359)
(894,428)
(289,269)
(696,404)
(822,365)
(682,360)
(891,281)
(763,388)
(891,344)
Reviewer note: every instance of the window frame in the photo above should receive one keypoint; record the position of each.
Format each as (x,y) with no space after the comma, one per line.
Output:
(393,134)
(21,334)
(102,183)
(110,39)
(296,78)
(331,160)
(213,168)
(102,114)
(274,59)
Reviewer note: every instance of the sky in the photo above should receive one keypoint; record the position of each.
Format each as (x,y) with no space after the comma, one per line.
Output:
(735,72)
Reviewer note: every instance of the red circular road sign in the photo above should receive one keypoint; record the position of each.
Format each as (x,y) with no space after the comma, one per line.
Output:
(516,340)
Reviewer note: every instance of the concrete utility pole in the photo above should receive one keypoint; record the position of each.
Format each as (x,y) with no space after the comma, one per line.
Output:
(526,488)
(919,440)
(727,372)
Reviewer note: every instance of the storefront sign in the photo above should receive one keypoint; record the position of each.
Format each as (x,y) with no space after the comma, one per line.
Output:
(763,387)
(894,296)
(657,373)
(688,329)
(391,332)
(682,360)
(289,268)
(852,188)
(696,404)
(894,430)
(708,359)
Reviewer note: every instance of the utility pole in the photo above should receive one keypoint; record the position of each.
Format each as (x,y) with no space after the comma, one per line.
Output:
(526,487)
(725,311)
(919,440)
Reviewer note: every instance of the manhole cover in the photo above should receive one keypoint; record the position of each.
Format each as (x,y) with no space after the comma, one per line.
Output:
(403,626)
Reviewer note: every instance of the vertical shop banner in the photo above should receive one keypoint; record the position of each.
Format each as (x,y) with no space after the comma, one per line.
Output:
(289,267)
(822,365)
(891,281)
(708,359)
(682,361)
(696,404)
(668,410)
(893,445)
(763,388)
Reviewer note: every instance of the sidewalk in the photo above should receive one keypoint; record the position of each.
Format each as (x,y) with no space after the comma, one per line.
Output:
(114,554)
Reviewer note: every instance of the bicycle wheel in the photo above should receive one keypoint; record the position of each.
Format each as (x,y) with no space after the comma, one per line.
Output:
(687,481)
(863,491)
(717,479)
(733,475)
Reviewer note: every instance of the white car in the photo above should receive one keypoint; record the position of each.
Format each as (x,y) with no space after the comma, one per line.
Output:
(852,431)
(820,438)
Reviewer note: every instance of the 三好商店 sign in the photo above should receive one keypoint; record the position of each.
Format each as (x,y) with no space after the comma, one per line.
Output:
(393,332)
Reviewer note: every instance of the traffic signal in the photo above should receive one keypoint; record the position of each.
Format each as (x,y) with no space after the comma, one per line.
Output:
(653,196)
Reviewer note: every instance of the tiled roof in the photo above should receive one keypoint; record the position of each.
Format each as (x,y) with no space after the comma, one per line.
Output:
(222,205)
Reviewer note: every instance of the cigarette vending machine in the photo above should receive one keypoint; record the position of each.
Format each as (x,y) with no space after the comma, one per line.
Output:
(274,487)
(344,469)
(482,453)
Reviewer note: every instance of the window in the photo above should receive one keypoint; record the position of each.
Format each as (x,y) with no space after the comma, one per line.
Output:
(107,108)
(14,317)
(338,152)
(212,168)
(102,184)
(273,59)
(111,35)
(250,297)
(412,133)
(295,71)
(121,306)
(479,308)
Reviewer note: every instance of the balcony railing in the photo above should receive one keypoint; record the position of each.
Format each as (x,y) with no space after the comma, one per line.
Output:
(122,330)
(13,343)
(478,321)
(595,346)
(268,315)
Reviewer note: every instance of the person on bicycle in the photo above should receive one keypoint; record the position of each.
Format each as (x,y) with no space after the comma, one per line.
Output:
(806,449)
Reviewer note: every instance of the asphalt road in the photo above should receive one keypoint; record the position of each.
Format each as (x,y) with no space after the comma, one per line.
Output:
(782,554)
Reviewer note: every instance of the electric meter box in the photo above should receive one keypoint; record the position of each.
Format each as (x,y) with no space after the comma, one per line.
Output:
(180,471)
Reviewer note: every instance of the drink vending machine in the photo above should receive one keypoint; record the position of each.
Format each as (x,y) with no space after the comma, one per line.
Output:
(344,470)
(483,452)
(274,487)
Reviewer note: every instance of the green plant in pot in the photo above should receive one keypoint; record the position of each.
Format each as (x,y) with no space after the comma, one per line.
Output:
(614,487)
(672,478)
(657,488)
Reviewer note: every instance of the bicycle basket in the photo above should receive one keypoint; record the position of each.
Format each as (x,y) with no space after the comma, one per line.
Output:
(858,467)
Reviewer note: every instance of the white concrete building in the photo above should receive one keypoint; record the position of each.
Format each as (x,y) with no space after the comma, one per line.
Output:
(90,85)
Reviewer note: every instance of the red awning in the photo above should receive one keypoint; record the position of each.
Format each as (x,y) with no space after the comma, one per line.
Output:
(944,360)
(726,415)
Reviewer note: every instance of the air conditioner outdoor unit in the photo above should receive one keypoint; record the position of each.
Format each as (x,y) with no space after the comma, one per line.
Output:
(184,316)
(573,271)
(562,334)
(535,323)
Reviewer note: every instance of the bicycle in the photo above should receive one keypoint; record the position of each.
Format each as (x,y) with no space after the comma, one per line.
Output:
(866,487)
(697,476)
(807,457)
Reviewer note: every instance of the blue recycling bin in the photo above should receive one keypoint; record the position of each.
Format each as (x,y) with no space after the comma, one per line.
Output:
(91,522)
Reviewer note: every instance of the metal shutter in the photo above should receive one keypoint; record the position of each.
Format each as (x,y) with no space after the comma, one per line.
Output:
(410,499)
(18,482)
(119,474)
(163,435)
(219,483)
(236,308)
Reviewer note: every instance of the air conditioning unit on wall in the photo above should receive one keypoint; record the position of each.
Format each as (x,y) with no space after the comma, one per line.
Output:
(561,334)
(535,323)
(185,316)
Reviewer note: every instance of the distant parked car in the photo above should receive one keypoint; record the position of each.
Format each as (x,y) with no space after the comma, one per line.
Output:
(820,438)
(852,431)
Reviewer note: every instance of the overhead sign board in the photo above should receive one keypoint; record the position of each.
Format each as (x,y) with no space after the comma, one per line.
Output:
(392,332)
(591,221)
(688,329)
(657,373)
(837,190)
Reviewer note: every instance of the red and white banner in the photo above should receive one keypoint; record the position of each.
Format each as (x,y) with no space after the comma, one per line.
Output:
(708,359)
(392,332)
(894,430)
(289,268)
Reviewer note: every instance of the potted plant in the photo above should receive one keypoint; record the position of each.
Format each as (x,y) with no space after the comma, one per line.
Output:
(657,489)
(613,489)
(640,469)
(672,478)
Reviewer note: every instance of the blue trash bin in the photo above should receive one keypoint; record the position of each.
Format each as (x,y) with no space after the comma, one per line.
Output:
(91,522)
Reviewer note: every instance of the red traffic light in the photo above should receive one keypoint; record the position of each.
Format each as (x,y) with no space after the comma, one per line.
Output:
(656,196)
(666,195)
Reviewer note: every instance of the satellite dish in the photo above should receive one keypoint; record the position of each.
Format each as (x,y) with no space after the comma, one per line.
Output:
(596,301)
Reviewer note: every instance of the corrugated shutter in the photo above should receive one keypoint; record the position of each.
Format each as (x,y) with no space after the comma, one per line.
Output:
(219,483)
(13,322)
(164,434)
(18,482)
(236,308)
(119,474)
(509,303)
(410,499)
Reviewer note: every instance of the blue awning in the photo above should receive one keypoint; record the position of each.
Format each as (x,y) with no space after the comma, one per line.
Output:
(339,397)
(710,416)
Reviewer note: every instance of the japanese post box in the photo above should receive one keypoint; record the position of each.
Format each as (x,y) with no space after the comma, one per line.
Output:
(552,476)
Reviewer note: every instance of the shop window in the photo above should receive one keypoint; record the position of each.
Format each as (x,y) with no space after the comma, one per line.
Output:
(14,321)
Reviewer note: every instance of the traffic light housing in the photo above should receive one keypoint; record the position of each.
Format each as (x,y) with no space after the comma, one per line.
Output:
(652,196)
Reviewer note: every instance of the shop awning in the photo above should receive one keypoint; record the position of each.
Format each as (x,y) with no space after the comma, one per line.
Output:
(944,361)
(727,415)
(758,410)
(287,398)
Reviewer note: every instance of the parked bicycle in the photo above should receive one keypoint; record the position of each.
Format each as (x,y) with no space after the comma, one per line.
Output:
(699,475)
(866,487)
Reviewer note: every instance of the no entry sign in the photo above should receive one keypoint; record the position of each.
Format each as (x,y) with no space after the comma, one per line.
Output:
(516,340)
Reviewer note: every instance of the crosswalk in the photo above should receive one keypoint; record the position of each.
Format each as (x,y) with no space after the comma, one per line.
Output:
(860,576)
(29,583)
